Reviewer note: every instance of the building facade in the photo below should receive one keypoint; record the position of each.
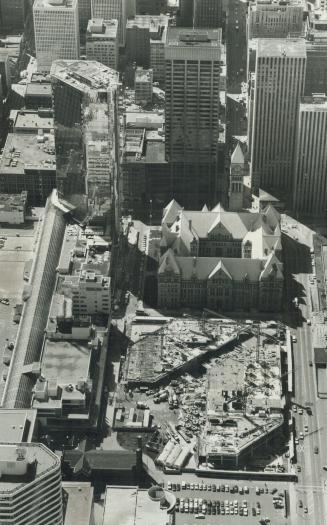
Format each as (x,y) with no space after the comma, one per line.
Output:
(208,13)
(30,488)
(222,260)
(310,181)
(56,26)
(113,9)
(275,19)
(102,42)
(278,84)
(143,86)
(192,114)
(12,15)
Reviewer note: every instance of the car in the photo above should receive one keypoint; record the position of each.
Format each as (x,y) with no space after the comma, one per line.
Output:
(301,411)
(316,450)
(310,363)
(178,487)
(199,516)
(309,322)
(169,485)
(306,428)
(300,503)
(298,468)
(246,490)
(306,510)
(294,408)
(214,488)
(294,339)
(301,436)
(296,441)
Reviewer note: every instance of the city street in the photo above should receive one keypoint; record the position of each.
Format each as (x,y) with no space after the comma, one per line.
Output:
(309,505)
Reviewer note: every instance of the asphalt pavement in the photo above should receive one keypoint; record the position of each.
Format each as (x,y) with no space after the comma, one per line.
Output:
(309,497)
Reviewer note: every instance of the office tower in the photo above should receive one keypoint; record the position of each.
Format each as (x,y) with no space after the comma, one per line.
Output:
(278,84)
(56,31)
(84,14)
(185,13)
(150,7)
(310,167)
(102,42)
(275,19)
(30,486)
(316,69)
(192,114)
(145,40)
(12,15)
(143,86)
(208,13)
(109,9)
(85,104)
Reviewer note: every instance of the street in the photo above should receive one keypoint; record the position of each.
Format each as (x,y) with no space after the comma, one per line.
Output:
(309,506)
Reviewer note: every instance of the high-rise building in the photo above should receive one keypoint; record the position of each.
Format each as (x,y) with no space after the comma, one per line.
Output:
(85,103)
(208,13)
(109,9)
(102,42)
(84,14)
(275,19)
(30,487)
(192,114)
(150,7)
(310,181)
(12,15)
(277,84)
(236,179)
(316,44)
(145,40)
(56,31)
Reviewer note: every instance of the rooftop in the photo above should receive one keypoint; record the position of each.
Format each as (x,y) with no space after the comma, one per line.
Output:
(143,75)
(33,120)
(281,47)
(66,361)
(16,425)
(28,151)
(8,202)
(79,502)
(85,76)
(55,4)
(184,37)
(137,507)
(36,461)
(99,28)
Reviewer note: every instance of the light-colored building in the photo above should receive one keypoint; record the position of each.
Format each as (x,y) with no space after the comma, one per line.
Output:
(310,177)
(102,42)
(143,86)
(56,26)
(276,88)
(236,181)
(86,279)
(113,9)
(192,114)
(275,19)
(30,487)
(222,260)
(13,208)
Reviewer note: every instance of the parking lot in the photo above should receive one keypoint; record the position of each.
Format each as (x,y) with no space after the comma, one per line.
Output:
(228,501)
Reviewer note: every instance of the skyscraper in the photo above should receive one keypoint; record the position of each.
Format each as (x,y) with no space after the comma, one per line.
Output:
(56,31)
(208,13)
(192,114)
(30,487)
(310,175)
(278,84)
(109,9)
(275,19)
(84,13)
(12,15)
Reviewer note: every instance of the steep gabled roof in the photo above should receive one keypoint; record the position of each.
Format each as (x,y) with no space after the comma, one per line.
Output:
(171,211)
(272,267)
(220,268)
(237,155)
(218,208)
(168,263)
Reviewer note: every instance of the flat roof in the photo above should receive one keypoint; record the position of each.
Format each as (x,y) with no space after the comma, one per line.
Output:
(79,503)
(181,37)
(36,453)
(66,361)
(13,424)
(39,89)
(33,119)
(132,506)
(86,76)
(23,151)
(55,4)
(279,47)
(109,28)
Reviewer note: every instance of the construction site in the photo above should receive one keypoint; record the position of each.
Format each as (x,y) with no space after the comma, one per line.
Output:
(215,414)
